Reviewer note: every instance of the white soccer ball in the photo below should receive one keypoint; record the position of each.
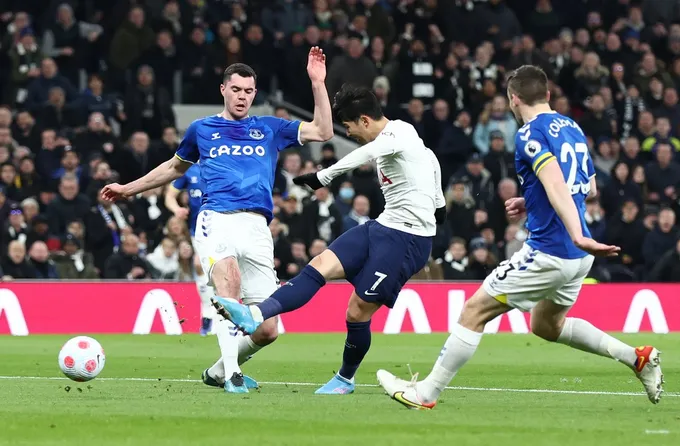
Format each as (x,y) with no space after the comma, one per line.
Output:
(82,358)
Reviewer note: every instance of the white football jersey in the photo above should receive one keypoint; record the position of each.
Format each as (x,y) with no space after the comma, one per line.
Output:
(409,175)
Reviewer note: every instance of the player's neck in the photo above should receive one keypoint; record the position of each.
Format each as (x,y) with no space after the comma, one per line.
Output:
(530,112)
(378,126)
(226,115)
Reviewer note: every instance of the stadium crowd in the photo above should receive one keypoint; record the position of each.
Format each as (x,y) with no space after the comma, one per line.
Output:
(88,88)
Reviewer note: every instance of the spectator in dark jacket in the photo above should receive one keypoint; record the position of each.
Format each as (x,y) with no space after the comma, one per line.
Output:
(663,176)
(39,258)
(74,263)
(38,90)
(668,267)
(454,263)
(619,188)
(14,263)
(499,162)
(627,231)
(107,223)
(661,239)
(69,205)
(359,213)
(148,107)
(322,219)
(127,264)
(477,180)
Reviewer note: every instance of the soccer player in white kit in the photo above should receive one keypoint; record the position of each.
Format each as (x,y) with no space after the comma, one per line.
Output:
(556,176)
(238,155)
(379,256)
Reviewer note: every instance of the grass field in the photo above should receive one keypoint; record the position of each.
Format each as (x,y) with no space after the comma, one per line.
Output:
(516,391)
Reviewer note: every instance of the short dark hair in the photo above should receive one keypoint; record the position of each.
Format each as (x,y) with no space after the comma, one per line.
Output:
(529,83)
(352,102)
(241,69)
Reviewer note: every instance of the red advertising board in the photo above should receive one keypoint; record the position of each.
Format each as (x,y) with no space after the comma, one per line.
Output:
(173,308)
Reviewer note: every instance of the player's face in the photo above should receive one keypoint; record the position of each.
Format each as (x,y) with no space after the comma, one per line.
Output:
(238,94)
(358,130)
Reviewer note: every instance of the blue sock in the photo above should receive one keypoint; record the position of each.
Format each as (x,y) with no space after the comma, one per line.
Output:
(356,346)
(294,294)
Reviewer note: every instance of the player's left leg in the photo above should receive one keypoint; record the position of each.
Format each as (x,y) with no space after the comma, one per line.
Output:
(206,293)
(394,257)
(357,344)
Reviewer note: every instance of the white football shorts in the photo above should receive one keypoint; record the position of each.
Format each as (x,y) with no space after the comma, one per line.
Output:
(246,237)
(530,276)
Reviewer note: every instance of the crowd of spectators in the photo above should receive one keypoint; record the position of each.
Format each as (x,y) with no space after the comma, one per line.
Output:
(88,88)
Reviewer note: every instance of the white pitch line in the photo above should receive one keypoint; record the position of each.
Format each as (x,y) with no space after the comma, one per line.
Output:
(277,383)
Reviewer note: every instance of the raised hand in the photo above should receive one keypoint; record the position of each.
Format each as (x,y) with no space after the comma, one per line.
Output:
(316,65)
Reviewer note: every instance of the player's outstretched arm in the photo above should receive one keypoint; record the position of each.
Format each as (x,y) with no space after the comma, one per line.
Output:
(550,175)
(321,127)
(382,146)
(161,175)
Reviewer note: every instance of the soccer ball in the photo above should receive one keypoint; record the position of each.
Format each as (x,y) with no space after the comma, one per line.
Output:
(82,359)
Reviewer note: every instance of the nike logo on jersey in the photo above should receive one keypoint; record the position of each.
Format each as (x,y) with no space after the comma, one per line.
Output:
(370,293)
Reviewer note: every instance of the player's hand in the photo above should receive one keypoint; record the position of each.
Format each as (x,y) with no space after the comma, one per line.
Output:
(309,179)
(182,213)
(514,207)
(114,191)
(316,65)
(597,249)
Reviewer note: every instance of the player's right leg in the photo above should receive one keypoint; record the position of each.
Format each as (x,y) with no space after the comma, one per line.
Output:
(217,248)
(343,258)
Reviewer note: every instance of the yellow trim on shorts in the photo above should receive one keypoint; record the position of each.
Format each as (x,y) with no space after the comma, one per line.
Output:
(502,298)
(183,160)
(542,161)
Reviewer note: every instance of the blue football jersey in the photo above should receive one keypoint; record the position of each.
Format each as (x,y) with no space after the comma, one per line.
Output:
(551,137)
(192,183)
(238,160)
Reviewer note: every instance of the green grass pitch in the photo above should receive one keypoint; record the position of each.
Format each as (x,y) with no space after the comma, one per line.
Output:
(517,391)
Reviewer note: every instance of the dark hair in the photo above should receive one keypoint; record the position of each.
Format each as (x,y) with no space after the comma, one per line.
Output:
(529,83)
(352,102)
(241,69)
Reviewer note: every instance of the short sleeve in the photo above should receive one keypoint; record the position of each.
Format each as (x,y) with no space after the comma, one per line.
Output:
(533,149)
(188,147)
(180,183)
(286,133)
(591,167)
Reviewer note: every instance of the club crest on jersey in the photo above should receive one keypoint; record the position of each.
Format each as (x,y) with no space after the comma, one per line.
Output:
(532,148)
(256,134)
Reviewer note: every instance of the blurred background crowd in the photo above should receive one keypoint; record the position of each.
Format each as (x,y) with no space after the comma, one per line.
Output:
(88,88)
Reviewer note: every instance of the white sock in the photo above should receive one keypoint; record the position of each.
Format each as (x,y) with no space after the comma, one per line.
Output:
(458,349)
(205,292)
(228,338)
(246,348)
(217,371)
(582,335)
